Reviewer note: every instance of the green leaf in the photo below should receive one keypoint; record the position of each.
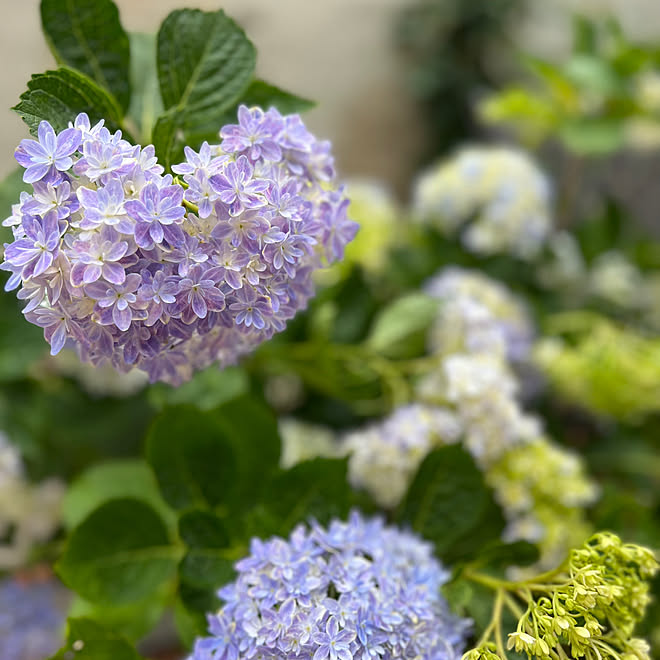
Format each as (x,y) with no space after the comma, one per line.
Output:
(88,640)
(59,96)
(266,95)
(592,137)
(205,63)
(133,620)
(220,458)
(120,554)
(317,488)
(113,480)
(449,504)
(207,389)
(401,319)
(146,103)
(87,35)
(190,624)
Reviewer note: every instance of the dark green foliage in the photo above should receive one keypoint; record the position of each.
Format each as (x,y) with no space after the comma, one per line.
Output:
(87,35)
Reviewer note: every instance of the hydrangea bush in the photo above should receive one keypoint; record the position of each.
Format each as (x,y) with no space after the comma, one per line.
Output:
(399,457)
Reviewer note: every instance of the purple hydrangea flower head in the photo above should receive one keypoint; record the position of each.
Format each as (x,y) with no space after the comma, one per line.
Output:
(32,619)
(135,268)
(356,589)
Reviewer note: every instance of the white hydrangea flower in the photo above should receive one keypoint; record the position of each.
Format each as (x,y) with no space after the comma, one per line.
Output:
(496,197)
(29,513)
(477,314)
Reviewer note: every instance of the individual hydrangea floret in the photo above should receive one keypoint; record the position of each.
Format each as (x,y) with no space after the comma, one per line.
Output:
(494,197)
(354,590)
(32,616)
(139,269)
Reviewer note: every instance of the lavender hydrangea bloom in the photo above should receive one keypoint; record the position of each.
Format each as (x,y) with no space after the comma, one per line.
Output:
(138,269)
(31,620)
(49,155)
(357,590)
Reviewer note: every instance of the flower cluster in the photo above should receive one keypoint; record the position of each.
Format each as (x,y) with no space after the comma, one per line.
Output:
(31,619)
(385,456)
(29,513)
(478,314)
(170,275)
(605,368)
(594,607)
(501,194)
(357,590)
(471,396)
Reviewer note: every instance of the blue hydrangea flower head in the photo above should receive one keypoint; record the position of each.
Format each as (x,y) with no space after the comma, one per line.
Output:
(139,269)
(354,590)
(31,619)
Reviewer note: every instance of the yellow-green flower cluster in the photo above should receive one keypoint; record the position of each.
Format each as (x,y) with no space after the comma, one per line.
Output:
(590,610)
(494,197)
(607,369)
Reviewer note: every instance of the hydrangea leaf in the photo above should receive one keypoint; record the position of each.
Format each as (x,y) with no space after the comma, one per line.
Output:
(316,488)
(111,480)
(206,390)
(87,35)
(449,504)
(59,96)
(400,321)
(219,459)
(190,624)
(89,640)
(132,620)
(121,553)
(146,103)
(266,95)
(205,62)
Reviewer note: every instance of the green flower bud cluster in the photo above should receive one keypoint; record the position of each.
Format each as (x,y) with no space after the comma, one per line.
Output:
(605,368)
(592,612)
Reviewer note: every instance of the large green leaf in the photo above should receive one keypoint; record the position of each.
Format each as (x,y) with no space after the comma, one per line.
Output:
(121,553)
(88,640)
(216,459)
(205,63)
(87,35)
(58,96)
(313,489)
(112,480)
(449,504)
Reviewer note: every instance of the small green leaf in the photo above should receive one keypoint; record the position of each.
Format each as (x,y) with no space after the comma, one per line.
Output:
(59,96)
(449,504)
(87,35)
(121,553)
(112,480)
(207,389)
(592,137)
(205,63)
(407,316)
(266,95)
(88,640)
(146,103)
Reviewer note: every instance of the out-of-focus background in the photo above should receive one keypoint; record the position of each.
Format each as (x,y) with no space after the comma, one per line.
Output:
(337,52)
